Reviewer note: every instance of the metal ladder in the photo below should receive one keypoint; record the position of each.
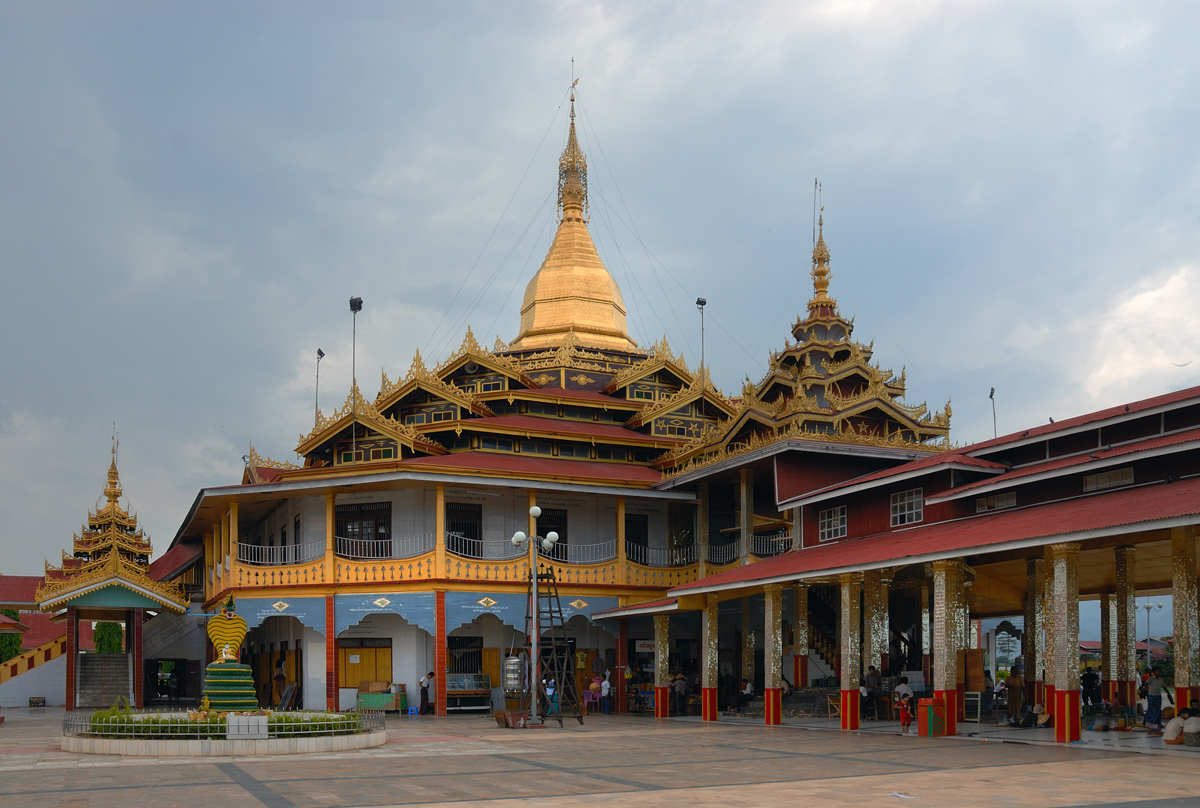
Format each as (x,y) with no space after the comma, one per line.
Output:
(554,650)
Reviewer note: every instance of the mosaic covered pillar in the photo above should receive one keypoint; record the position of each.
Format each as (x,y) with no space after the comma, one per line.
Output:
(1108,645)
(747,649)
(1031,640)
(772,653)
(851,649)
(746,501)
(926,634)
(708,664)
(1125,675)
(800,635)
(1185,615)
(1050,649)
(662,662)
(702,528)
(964,642)
(947,633)
(1067,707)
(875,619)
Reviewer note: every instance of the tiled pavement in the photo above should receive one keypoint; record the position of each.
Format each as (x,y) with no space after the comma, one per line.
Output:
(610,761)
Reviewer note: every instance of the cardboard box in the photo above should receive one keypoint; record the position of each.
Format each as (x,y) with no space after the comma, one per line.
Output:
(372,687)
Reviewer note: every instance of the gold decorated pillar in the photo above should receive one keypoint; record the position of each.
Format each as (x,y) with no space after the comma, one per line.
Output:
(1067,707)
(772,652)
(747,513)
(875,619)
(1126,607)
(947,634)
(1185,615)
(439,531)
(746,652)
(662,661)
(1031,640)
(850,637)
(926,635)
(709,647)
(330,572)
(1050,648)
(800,635)
(702,528)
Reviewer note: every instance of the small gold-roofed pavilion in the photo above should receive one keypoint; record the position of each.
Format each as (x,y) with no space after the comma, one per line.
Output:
(573,291)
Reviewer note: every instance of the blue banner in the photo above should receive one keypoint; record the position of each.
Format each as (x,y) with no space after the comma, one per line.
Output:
(309,611)
(463,607)
(415,607)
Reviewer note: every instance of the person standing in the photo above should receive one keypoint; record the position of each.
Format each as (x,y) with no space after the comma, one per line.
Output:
(425,683)
(1154,686)
(679,690)
(605,693)
(1014,692)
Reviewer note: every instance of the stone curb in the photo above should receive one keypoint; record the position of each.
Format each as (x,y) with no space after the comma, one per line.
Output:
(143,747)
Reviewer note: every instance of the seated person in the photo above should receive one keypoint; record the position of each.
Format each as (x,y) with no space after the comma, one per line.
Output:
(1191,729)
(1173,732)
(903,691)
(785,687)
(873,681)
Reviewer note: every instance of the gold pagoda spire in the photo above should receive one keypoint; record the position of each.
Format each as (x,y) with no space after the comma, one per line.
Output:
(573,293)
(113,489)
(821,272)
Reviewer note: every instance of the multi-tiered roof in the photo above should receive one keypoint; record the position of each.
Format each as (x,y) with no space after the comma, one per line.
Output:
(109,564)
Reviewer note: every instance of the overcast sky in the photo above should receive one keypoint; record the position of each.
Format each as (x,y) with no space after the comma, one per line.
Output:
(189,193)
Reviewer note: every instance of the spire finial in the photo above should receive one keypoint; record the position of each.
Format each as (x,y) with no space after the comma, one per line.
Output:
(820,268)
(572,172)
(113,490)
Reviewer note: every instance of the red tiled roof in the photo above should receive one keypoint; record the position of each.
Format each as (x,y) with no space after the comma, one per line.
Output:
(175,559)
(533,466)
(1156,442)
(931,462)
(971,535)
(42,630)
(579,395)
(19,589)
(9,623)
(562,426)
(1091,417)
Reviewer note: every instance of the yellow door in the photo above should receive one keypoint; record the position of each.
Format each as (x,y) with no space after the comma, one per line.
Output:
(491,665)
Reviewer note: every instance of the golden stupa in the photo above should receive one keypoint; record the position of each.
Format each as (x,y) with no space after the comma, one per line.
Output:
(573,291)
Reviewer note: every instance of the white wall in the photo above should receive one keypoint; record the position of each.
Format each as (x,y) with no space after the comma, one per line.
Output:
(312,647)
(48,680)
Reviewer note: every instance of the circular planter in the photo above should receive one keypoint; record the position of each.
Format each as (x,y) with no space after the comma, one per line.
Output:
(141,747)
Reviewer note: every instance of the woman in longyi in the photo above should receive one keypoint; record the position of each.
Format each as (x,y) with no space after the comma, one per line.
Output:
(226,631)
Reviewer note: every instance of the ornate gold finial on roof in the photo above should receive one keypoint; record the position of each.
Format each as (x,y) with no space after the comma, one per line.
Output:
(113,489)
(820,269)
(572,175)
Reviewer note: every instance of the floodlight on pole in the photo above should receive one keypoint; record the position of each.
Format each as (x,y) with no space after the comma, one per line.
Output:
(547,543)
(992,396)
(700,304)
(355,308)
(317,392)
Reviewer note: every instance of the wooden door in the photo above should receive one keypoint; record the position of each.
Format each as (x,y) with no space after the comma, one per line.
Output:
(491,665)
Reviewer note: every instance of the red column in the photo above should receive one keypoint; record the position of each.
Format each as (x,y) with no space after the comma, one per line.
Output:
(623,666)
(1067,719)
(962,701)
(1051,702)
(439,656)
(772,705)
(139,668)
(331,657)
(1126,692)
(951,699)
(850,709)
(708,704)
(662,702)
(1184,696)
(72,655)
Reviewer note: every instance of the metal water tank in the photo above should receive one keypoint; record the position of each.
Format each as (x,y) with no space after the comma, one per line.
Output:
(514,674)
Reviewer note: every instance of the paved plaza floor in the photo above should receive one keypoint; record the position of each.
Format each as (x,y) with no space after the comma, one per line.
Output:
(610,761)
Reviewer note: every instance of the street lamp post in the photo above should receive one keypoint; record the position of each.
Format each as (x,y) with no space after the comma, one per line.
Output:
(1149,607)
(519,538)
(355,308)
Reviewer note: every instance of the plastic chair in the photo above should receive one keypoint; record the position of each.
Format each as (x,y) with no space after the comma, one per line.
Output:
(590,698)
(414,711)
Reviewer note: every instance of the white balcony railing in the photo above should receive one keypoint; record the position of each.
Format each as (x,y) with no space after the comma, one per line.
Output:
(279,556)
(494,549)
(660,556)
(771,545)
(366,549)
(724,553)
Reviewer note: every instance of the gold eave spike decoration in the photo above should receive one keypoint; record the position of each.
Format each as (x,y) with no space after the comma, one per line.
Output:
(114,547)
(572,290)
(365,414)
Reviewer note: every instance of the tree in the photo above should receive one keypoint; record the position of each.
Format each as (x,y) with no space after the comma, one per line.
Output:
(109,638)
(10,644)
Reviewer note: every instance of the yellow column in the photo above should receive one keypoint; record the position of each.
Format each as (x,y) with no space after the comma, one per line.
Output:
(439,528)
(622,572)
(702,529)
(225,543)
(233,537)
(330,573)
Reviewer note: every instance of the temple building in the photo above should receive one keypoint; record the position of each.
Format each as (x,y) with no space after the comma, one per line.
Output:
(810,526)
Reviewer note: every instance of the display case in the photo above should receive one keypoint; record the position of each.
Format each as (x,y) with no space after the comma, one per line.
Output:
(468,691)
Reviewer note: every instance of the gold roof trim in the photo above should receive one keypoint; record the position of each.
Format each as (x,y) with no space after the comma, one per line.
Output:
(367,415)
(419,375)
(685,395)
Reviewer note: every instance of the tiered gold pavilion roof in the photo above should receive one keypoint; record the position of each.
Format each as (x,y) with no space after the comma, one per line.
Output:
(110,550)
